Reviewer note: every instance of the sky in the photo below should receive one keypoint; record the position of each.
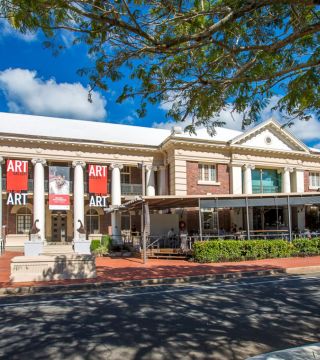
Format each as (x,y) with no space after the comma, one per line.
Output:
(35,81)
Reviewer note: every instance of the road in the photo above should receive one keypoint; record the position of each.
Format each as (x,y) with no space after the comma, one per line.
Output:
(230,319)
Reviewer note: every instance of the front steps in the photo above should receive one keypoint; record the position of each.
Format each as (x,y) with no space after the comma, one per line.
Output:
(57,249)
(167,253)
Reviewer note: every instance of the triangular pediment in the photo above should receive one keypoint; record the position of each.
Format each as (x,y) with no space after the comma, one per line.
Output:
(269,135)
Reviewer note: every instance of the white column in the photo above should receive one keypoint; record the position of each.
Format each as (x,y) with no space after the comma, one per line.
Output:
(247,179)
(38,196)
(236,179)
(162,180)
(286,184)
(299,180)
(78,197)
(116,199)
(1,162)
(151,191)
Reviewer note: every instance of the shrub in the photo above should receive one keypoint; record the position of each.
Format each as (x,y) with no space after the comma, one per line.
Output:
(101,247)
(106,241)
(305,247)
(95,244)
(233,250)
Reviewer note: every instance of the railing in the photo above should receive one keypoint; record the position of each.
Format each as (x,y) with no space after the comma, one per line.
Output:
(131,189)
(257,189)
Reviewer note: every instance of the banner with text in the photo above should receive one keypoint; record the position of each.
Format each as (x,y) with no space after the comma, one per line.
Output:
(59,188)
(17,182)
(98,185)
(98,178)
(17,175)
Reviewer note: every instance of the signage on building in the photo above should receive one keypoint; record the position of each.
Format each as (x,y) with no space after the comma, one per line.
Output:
(98,179)
(98,185)
(59,188)
(17,198)
(17,175)
(98,201)
(17,182)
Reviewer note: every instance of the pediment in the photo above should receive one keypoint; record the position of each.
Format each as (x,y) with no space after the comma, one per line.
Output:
(270,136)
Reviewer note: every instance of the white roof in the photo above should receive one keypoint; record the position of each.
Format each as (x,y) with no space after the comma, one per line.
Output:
(42,126)
(80,130)
(222,134)
(314,149)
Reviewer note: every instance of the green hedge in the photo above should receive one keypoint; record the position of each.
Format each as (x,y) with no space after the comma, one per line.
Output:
(305,247)
(235,250)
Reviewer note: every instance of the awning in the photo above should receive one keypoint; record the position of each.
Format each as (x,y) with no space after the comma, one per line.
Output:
(223,201)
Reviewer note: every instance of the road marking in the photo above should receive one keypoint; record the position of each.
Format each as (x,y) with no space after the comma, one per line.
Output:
(191,288)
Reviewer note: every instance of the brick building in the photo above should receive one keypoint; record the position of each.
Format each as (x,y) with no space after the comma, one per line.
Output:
(266,159)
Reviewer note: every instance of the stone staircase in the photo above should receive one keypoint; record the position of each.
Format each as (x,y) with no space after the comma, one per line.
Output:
(57,249)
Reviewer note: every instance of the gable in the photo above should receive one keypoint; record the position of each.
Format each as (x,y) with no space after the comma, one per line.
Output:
(268,140)
(270,136)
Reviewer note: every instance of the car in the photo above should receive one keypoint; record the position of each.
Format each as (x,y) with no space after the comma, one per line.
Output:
(311,351)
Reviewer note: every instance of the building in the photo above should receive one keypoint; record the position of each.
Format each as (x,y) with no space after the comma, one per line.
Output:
(266,160)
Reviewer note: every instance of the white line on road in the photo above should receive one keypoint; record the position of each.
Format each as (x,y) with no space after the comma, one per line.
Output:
(192,287)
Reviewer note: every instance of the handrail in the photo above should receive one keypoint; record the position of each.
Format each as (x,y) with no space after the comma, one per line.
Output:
(155,241)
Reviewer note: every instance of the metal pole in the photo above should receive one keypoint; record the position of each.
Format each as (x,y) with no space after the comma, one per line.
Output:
(143,178)
(144,237)
(289,219)
(143,230)
(218,225)
(248,220)
(1,239)
(200,221)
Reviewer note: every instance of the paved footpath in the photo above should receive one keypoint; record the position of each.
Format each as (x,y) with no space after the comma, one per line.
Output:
(126,270)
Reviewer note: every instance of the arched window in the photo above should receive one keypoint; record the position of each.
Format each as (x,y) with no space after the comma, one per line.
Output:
(24,220)
(92,221)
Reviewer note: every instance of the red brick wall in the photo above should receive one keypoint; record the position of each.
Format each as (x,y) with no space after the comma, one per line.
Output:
(306,181)
(193,188)
(136,175)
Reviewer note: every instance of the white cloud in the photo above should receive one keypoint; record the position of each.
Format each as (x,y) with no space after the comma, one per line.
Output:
(304,130)
(7,30)
(27,93)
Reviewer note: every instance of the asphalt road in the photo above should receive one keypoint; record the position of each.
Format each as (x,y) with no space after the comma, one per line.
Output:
(231,319)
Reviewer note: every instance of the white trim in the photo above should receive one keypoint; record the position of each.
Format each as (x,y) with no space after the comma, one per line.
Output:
(265,124)
(204,182)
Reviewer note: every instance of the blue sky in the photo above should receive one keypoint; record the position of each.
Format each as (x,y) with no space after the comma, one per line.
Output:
(34,81)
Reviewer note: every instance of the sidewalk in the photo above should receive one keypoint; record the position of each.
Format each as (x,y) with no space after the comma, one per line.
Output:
(110,270)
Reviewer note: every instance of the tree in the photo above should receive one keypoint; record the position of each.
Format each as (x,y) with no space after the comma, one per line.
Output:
(198,55)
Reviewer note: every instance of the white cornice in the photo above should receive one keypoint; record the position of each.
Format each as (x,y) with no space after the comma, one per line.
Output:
(82,143)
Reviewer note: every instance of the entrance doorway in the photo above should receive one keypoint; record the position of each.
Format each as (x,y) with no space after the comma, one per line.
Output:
(59,227)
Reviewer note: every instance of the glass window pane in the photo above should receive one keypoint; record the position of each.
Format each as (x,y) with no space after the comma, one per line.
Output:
(200,172)
(206,172)
(212,173)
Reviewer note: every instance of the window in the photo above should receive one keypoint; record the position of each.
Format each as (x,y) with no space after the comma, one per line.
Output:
(92,221)
(207,173)
(125,175)
(314,180)
(265,181)
(24,220)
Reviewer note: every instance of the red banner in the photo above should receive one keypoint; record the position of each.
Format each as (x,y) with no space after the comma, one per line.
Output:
(17,175)
(98,178)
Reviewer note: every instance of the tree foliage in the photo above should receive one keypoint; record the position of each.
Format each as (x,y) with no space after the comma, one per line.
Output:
(200,56)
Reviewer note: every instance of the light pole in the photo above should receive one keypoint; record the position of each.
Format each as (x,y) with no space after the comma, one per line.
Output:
(143,232)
